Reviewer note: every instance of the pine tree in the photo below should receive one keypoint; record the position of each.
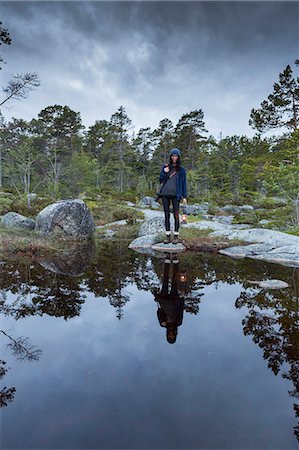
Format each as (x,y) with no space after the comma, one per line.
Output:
(57,132)
(120,124)
(281,109)
(189,133)
(96,144)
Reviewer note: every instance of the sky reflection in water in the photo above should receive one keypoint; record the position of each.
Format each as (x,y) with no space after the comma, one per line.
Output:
(106,376)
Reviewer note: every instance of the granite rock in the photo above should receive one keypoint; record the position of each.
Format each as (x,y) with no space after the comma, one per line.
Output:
(16,220)
(66,217)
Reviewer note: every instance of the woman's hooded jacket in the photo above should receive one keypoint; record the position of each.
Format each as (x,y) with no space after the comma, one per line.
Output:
(181,184)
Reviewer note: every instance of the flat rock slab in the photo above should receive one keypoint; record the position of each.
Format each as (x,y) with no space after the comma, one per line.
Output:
(143,242)
(160,246)
(217,226)
(262,244)
(117,222)
(108,233)
(259,235)
(241,251)
(286,255)
(271,284)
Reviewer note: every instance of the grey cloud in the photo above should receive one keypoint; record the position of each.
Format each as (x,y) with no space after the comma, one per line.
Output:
(212,29)
(156,57)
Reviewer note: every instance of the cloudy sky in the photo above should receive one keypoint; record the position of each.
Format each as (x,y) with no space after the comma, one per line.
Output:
(157,59)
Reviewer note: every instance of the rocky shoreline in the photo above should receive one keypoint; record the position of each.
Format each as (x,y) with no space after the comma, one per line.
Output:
(72,218)
(261,243)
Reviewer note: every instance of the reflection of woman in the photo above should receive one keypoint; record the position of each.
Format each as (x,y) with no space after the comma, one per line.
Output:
(173,189)
(171,305)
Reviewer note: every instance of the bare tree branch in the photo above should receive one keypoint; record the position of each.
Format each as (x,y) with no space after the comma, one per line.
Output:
(22,348)
(20,85)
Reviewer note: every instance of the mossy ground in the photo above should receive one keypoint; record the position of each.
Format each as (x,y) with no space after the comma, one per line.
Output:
(123,232)
(104,210)
(110,210)
(21,242)
(199,240)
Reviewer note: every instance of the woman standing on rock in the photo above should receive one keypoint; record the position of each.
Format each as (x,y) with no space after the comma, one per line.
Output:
(173,176)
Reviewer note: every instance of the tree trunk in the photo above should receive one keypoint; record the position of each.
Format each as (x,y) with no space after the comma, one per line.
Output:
(294,111)
(296,203)
(1,185)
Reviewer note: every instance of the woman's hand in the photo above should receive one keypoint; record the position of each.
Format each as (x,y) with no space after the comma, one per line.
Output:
(166,168)
(184,201)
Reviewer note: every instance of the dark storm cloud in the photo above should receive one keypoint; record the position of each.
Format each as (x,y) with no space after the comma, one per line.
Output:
(156,58)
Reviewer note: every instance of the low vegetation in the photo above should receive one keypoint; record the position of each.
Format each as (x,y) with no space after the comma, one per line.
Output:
(200,240)
(22,242)
(106,210)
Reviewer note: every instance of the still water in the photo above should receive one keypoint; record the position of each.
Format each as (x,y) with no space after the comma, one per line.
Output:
(105,348)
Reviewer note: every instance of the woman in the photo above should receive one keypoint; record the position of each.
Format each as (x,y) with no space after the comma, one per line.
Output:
(173,176)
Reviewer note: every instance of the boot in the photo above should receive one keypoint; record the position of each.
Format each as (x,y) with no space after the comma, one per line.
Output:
(168,238)
(175,238)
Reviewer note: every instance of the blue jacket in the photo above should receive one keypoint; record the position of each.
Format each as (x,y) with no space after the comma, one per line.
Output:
(181,184)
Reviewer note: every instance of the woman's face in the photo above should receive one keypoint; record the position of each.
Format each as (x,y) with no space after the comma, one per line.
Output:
(174,158)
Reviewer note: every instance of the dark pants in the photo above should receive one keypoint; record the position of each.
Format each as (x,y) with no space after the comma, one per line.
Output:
(176,207)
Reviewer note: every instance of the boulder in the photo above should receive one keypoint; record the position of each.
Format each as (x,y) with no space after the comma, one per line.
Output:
(232,209)
(264,222)
(223,219)
(143,242)
(197,208)
(152,226)
(246,208)
(67,217)
(108,233)
(235,209)
(148,202)
(16,220)
(279,201)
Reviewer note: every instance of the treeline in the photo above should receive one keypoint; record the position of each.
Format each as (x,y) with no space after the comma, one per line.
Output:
(55,155)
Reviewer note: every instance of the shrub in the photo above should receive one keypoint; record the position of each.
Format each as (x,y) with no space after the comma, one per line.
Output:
(108,210)
(19,205)
(250,218)
(6,205)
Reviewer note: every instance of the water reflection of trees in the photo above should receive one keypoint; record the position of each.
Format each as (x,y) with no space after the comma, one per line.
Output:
(7,394)
(23,350)
(273,322)
(37,292)
(272,317)
(109,274)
